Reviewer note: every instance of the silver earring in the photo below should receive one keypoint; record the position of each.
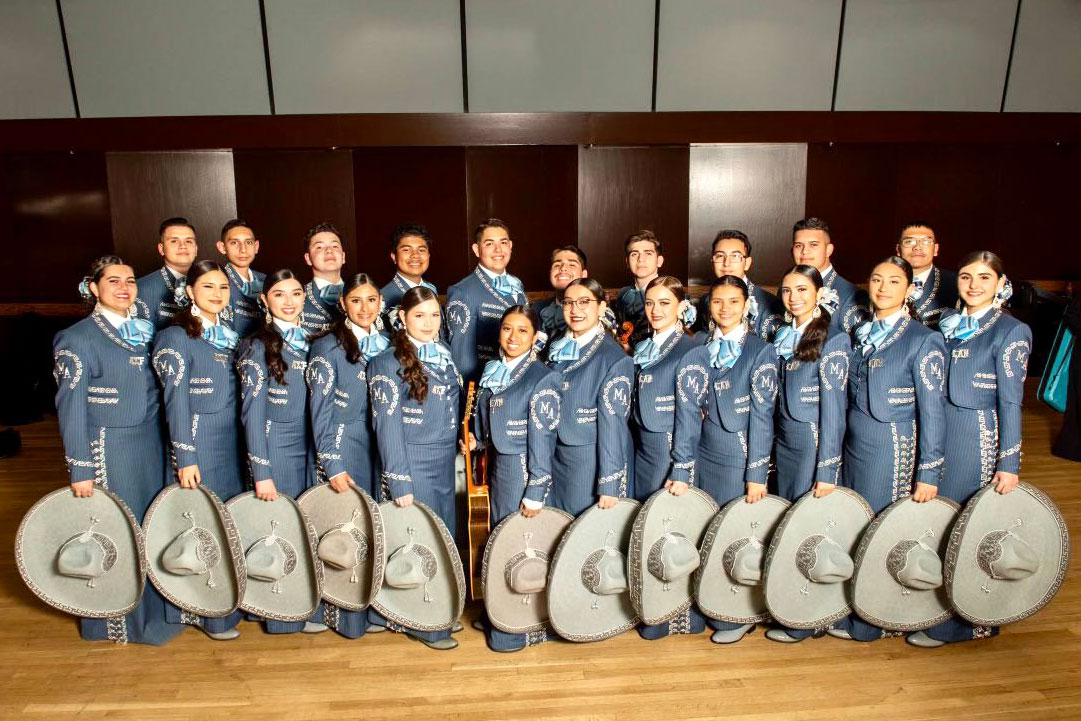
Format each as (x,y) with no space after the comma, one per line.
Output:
(787,317)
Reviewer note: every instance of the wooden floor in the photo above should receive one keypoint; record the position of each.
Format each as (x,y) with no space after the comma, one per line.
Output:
(1031,671)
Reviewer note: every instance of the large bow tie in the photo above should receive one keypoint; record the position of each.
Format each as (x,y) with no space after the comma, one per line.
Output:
(297,338)
(251,287)
(435,355)
(917,287)
(179,296)
(646,353)
(786,341)
(958,326)
(870,334)
(496,376)
(331,292)
(136,331)
(372,345)
(221,336)
(752,312)
(429,286)
(724,353)
(564,349)
(506,284)
(634,302)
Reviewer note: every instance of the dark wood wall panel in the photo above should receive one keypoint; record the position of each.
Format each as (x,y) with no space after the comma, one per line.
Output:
(411,185)
(54,220)
(534,190)
(1017,200)
(621,190)
(146,188)
(283,193)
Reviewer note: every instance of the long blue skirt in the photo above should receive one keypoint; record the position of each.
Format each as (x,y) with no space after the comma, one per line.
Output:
(652,460)
(723,480)
(574,478)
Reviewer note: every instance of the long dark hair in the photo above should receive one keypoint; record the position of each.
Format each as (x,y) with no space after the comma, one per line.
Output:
(340,331)
(596,290)
(814,336)
(899,262)
(186,319)
(271,339)
(412,371)
(676,287)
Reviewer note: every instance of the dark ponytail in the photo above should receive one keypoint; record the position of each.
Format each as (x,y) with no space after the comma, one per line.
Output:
(339,330)
(809,348)
(412,371)
(271,339)
(185,318)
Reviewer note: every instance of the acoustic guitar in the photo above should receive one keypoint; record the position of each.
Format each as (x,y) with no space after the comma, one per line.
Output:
(479,515)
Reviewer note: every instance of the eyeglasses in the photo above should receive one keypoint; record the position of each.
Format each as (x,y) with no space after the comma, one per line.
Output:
(912,241)
(580,303)
(725,257)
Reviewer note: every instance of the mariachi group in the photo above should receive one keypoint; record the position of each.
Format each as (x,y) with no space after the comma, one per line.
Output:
(826,460)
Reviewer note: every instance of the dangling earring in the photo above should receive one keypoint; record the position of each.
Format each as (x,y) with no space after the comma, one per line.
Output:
(788,316)
(817,312)
(906,310)
(269,318)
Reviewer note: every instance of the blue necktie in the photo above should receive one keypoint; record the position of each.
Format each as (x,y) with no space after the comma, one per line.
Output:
(786,341)
(917,286)
(297,338)
(551,317)
(959,326)
(564,349)
(372,345)
(507,284)
(179,296)
(136,331)
(646,353)
(434,355)
(496,376)
(724,353)
(871,334)
(752,312)
(221,337)
(330,293)
(633,302)
(251,287)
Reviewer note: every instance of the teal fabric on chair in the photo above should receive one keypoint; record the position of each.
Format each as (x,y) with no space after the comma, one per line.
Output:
(1056,375)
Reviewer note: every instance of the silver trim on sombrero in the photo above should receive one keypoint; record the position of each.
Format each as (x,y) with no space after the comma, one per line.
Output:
(60,605)
(235,554)
(861,552)
(456,567)
(953,550)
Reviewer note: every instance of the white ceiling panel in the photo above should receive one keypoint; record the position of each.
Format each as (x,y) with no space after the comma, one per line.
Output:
(1046,71)
(161,57)
(33,73)
(365,56)
(747,54)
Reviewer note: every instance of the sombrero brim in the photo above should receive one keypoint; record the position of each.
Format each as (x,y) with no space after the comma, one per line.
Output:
(326,509)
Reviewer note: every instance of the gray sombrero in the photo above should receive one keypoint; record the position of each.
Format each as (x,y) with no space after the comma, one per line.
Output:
(83,556)
(350,531)
(898,580)
(810,559)
(193,552)
(285,579)
(588,594)
(423,580)
(728,584)
(664,552)
(515,570)
(1007,556)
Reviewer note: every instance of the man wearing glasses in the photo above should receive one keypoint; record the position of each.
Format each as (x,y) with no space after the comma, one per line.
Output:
(732,256)
(161,293)
(935,288)
(239,246)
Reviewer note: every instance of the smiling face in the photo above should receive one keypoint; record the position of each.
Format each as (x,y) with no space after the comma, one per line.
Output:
(919,247)
(799,295)
(361,305)
(730,258)
(494,249)
(285,300)
(888,287)
(726,306)
(812,247)
(325,254)
(643,260)
(977,284)
(412,257)
(566,266)
(581,311)
(210,293)
(177,246)
(662,308)
(516,335)
(422,320)
(116,289)
(239,247)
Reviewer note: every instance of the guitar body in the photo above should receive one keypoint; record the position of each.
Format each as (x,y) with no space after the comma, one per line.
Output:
(478,512)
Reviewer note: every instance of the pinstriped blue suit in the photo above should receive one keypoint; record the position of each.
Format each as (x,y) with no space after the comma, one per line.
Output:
(318,315)
(939,293)
(474,309)
(156,299)
(113,434)
(854,302)
(247,315)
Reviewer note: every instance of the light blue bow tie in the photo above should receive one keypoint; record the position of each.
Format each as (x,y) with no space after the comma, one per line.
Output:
(330,293)
(429,286)
(496,376)
(646,353)
(297,338)
(633,301)
(136,331)
(786,341)
(434,355)
(221,337)
(959,326)
(870,334)
(564,349)
(507,284)
(372,345)
(251,287)
(724,353)
(179,296)
(917,286)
